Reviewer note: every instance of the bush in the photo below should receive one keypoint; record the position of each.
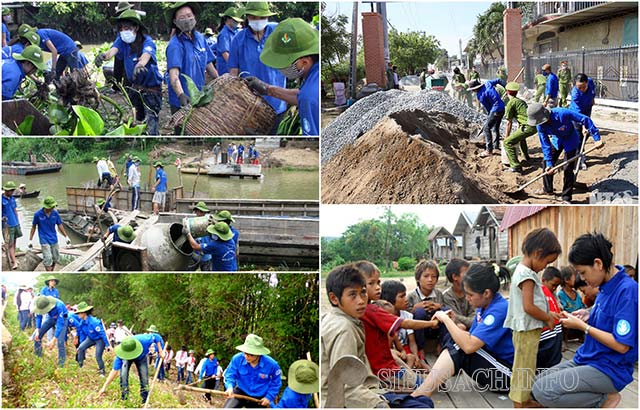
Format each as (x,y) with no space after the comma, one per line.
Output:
(406,263)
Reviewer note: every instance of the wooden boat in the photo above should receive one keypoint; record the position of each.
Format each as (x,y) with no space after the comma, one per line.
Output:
(30,168)
(33,194)
(226,170)
(81,225)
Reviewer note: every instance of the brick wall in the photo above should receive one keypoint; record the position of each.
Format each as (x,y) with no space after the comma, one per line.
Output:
(373,39)
(512,19)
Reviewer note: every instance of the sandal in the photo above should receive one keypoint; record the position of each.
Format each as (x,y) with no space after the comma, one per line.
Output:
(15,266)
(484,154)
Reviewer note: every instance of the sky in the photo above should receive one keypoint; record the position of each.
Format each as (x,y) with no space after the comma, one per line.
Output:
(446,21)
(335,219)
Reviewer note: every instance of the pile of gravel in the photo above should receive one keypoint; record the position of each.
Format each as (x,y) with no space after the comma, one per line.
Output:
(367,112)
(622,185)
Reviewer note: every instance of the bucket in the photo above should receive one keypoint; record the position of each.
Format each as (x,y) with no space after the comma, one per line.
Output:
(235,110)
(197,226)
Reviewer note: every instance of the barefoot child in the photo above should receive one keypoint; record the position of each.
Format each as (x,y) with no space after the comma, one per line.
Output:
(454,297)
(528,310)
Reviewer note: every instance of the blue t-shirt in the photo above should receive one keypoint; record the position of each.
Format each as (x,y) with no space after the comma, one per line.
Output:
(162,176)
(223,253)
(191,58)
(615,311)
(583,101)
(199,255)
(212,43)
(62,42)
(560,133)
(309,102)
(245,56)
(9,211)
(236,235)
(264,380)
(240,149)
(552,86)
(75,321)
(490,98)
(223,46)
(147,340)
(209,368)
(47,291)
(6,32)
(293,400)
(114,230)
(7,51)
(12,76)
(82,59)
(93,329)
(59,312)
(488,327)
(47,226)
(152,78)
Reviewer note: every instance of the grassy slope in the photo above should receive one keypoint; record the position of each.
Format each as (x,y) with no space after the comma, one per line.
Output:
(37,382)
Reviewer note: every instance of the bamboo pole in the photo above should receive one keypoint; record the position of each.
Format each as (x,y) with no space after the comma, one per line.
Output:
(218,392)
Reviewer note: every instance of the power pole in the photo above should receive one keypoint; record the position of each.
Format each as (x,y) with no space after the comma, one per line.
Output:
(460,51)
(382,9)
(354,51)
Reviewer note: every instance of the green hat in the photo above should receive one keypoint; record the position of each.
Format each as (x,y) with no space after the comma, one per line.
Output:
(49,202)
(221,230)
(44,304)
(158,164)
(223,216)
(103,159)
(126,233)
(23,28)
(208,31)
(512,86)
(201,206)
(502,69)
(192,352)
(136,159)
(122,6)
(9,185)
(32,54)
(95,159)
(5,11)
(49,278)
(253,344)
(210,351)
(537,114)
(83,307)
(32,36)
(303,377)
(233,12)
(129,349)
(100,201)
(170,13)
(153,329)
(129,15)
(292,38)
(258,9)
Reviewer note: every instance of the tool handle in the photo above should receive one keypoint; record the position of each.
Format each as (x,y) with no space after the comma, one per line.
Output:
(519,74)
(218,392)
(555,168)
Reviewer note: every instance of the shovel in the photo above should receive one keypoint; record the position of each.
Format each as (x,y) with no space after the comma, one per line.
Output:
(183,400)
(348,370)
(560,165)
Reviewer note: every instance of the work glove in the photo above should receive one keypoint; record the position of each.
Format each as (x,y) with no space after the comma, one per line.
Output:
(100,59)
(68,241)
(139,70)
(257,84)
(30,245)
(184,100)
(49,76)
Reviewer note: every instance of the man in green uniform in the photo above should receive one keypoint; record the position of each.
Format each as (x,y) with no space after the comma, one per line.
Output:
(389,73)
(460,85)
(564,79)
(516,109)
(423,78)
(502,74)
(473,74)
(541,82)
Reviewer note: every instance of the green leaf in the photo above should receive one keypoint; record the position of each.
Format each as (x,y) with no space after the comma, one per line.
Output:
(25,126)
(89,121)
(137,130)
(117,131)
(194,93)
(58,114)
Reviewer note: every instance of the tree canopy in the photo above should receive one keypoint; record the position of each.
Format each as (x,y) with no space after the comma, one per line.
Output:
(488,33)
(412,50)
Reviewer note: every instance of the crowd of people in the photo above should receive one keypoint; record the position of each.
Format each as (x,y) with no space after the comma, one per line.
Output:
(512,345)
(269,55)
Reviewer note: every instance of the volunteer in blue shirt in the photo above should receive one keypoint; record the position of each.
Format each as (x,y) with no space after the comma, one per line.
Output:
(45,220)
(7,18)
(491,101)
(121,233)
(604,364)
(138,51)
(64,52)
(227,31)
(58,317)
(187,53)
(293,48)
(552,87)
(50,287)
(583,97)
(303,381)
(23,40)
(252,373)
(133,350)
(212,42)
(220,245)
(15,69)
(244,56)
(10,221)
(557,133)
(226,217)
(200,259)
(93,334)
(159,188)
(208,371)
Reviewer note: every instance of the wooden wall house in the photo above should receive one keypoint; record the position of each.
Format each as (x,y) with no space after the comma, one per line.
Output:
(493,244)
(466,235)
(443,244)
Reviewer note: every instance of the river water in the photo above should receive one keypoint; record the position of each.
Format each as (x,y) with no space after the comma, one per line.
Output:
(276,184)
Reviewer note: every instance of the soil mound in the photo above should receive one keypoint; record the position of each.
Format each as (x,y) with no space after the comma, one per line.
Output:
(415,157)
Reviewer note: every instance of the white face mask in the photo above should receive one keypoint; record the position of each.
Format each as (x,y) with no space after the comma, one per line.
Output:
(292,72)
(258,25)
(128,36)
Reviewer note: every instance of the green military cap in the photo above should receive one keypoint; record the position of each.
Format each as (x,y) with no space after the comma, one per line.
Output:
(292,38)
(258,9)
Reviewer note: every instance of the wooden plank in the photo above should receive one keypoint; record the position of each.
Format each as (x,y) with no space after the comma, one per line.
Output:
(465,394)
(497,400)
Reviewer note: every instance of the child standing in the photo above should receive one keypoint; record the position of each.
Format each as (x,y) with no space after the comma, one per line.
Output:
(455,297)
(191,366)
(568,296)
(550,349)
(425,300)
(528,310)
